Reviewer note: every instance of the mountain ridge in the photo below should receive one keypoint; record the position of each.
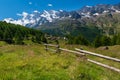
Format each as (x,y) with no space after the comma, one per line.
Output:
(37,18)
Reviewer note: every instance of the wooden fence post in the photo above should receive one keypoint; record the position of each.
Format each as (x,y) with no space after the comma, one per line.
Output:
(58,48)
(46,47)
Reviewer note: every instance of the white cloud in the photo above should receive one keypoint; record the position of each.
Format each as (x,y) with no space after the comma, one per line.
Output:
(24,14)
(36,11)
(30,3)
(61,10)
(50,5)
(18,14)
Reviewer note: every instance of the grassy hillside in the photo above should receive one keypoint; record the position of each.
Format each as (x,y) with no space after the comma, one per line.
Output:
(32,62)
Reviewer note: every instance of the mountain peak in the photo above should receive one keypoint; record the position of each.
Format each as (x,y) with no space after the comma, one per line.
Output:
(38,18)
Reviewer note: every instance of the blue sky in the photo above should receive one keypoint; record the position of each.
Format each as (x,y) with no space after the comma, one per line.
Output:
(9,8)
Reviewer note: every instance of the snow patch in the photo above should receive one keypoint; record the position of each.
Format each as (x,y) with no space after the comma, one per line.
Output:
(96,14)
(88,6)
(105,11)
(117,11)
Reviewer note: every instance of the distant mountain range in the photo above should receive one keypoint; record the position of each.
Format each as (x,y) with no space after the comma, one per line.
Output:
(38,18)
(89,21)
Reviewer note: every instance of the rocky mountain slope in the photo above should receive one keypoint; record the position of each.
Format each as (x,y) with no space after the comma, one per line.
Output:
(37,18)
(89,21)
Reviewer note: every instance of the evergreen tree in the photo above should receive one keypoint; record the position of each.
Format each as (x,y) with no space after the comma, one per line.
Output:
(114,40)
(1,35)
(18,38)
(15,33)
(80,40)
(70,39)
(118,39)
(38,38)
(8,36)
(43,39)
(97,42)
(106,41)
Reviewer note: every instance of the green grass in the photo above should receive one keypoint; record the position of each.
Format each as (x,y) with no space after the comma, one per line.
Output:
(32,62)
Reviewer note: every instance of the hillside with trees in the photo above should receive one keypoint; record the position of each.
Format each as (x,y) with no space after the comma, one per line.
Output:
(107,24)
(16,34)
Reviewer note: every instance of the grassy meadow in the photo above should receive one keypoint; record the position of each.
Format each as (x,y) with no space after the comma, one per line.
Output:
(32,62)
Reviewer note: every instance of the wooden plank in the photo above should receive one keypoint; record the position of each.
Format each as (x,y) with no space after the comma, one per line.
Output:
(98,55)
(51,45)
(71,51)
(104,65)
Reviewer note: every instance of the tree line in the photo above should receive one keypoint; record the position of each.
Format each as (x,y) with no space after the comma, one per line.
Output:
(100,40)
(17,34)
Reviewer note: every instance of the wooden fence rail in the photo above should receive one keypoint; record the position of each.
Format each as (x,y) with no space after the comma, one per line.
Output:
(104,65)
(98,55)
(51,45)
(71,51)
(83,52)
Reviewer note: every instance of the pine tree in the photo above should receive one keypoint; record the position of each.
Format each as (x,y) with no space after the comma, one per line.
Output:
(1,35)
(114,40)
(81,40)
(118,39)
(18,38)
(70,39)
(38,38)
(8,36)
(97,42)
(43,39)
(106,41)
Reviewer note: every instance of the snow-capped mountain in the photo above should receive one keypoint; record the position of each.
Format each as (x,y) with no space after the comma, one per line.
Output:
(99,9)
(37,18)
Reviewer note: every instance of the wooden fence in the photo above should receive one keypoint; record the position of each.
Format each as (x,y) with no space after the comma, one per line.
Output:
(98,55)
(83,53)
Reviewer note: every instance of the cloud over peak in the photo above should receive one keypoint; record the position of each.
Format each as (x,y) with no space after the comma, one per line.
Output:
(24,14)
(36,11)
(50,5)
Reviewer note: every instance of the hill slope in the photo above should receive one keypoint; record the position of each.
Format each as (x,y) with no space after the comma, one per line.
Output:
(88,21)
(33,62)
(17,34)
(105,24)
